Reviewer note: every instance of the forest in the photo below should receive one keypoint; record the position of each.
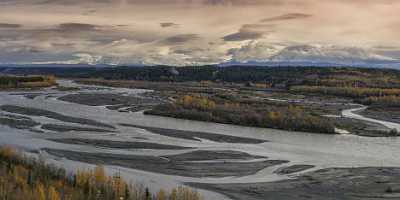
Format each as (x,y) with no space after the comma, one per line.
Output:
(391,101)
(352,92)
(342,81)
(26,178)
(321,76)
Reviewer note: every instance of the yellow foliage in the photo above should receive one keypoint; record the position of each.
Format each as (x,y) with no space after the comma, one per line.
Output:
(40,193)
(161,195)
(173,195)
(118,185)
(99,175)
(201,103)
(187,194)
(7,152)
(53,194)
(83,177)
(187,100)
(22,179)
(274,116)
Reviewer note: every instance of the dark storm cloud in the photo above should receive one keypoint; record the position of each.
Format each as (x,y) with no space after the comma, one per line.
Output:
(243,35)
(261,27)
(236,2)
(188,51)
(289,16)
(77,27)
(89,12)
(99,33)
(168,24)
(72,2)
(250,32)
(75,33)
(7,25)
(205,2)
(152,2)
(179,39)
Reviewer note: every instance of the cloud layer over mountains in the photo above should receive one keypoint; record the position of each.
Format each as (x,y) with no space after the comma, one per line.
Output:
(196,32)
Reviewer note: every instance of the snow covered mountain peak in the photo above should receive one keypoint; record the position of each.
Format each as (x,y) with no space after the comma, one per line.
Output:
(327,54)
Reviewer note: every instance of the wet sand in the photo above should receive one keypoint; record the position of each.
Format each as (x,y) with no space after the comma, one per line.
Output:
(172,165)
(52,115)
(112,101)
(18,123)
(117,144)
(66,128)
(293,169)
(327,184)
(191,135)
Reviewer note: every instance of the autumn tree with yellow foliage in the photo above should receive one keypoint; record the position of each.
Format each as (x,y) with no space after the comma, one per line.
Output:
(23,178)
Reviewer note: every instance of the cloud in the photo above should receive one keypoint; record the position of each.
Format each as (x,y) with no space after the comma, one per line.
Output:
(243,35)
(276,52)
(89,12)
(255,51)
(129,31)
(289,16)
(232,2)
(258,26)
(6,25)
(250,32)
(180,39)
(76,27)
(168,24)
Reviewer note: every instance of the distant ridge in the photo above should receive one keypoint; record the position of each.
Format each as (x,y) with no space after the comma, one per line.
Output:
(367,64)
(371,64)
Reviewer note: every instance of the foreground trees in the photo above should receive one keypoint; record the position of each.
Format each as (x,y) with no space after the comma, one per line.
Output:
(28,179)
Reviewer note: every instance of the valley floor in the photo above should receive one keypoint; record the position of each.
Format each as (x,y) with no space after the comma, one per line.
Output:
(72,129)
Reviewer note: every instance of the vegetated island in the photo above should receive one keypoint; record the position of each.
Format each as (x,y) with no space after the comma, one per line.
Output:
(8,82)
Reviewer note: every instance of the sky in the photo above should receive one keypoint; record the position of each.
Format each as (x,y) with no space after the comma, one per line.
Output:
(198,32)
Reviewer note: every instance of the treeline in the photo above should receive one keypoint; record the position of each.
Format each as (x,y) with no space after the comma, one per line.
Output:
(289,117)
(24,178)
(383,101)
(290,76)
(12,82)
(352,92)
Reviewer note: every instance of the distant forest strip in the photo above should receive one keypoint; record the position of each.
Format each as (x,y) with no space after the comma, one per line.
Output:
(26,82)
(383,101)
(346,91)
(270,76)
(22,177)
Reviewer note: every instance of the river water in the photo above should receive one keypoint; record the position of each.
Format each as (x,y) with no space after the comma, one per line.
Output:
(320,150)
